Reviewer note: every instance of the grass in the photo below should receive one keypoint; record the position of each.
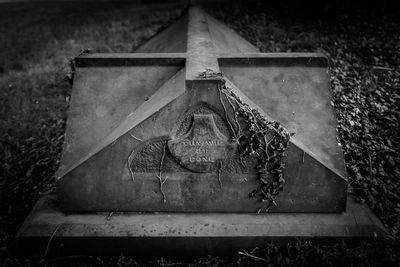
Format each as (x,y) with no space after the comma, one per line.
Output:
(38,40)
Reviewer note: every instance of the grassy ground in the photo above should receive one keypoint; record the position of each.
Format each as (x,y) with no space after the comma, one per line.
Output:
(38,39)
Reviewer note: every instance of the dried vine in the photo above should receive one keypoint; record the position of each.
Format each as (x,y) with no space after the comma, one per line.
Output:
(219,174)
(253,140)
(159,175)
(129,159)
(128,164)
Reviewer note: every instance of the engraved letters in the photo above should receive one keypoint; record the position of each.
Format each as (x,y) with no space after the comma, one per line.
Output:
(202,143)
(202,147)
(201,152)
(200,159)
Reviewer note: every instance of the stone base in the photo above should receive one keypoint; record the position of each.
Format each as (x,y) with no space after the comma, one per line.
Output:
(176,235)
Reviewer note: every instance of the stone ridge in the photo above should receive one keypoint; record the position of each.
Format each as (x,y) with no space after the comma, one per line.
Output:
(171,40)
(200,49)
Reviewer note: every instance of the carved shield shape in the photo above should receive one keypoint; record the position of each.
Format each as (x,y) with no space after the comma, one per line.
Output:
(203,147)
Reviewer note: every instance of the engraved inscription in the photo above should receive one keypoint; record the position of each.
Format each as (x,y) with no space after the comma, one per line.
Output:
(200,159)
(202,143)
(202,147)
(201,151)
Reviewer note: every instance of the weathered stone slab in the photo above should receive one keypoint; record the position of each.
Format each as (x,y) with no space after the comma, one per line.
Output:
(165,137)
(102,98)
(310,186)
(306,110)
(185,236)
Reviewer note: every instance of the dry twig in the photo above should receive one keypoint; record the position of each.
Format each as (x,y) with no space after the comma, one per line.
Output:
(219,174)
(235,116)
(134,137)
(159,175)
(226,113)
(246,254)
(51,238)
(128,164)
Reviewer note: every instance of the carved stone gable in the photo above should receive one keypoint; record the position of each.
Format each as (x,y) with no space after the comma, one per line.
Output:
(203,148)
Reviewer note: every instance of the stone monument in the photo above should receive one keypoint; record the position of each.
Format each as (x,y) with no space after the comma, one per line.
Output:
(198,144)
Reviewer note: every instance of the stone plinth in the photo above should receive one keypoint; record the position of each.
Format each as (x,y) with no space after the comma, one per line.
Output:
(185,236)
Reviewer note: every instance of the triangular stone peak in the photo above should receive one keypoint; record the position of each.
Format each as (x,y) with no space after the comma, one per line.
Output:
(152,131)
